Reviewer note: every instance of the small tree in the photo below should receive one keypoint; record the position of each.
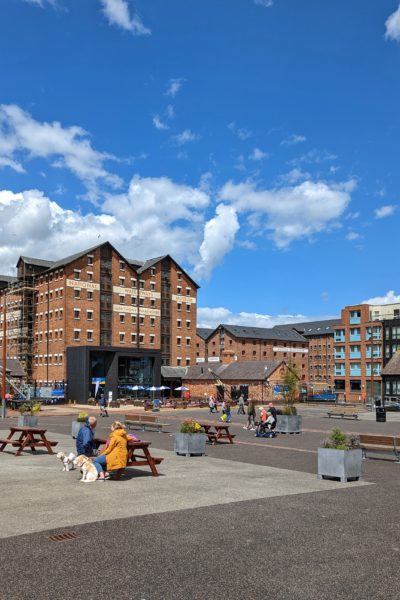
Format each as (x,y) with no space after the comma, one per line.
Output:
(291,389)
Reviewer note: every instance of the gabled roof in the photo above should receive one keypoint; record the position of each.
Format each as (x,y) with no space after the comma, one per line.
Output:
(135,263)
(173,372)
(204,332)
(311,328)
(153,261)
(7,279)
(235,371)
(263,333)
(393,366)
(38,262)
(14,367)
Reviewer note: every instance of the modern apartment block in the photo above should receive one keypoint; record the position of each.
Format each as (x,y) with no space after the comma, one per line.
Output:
(254,344)
(97,314)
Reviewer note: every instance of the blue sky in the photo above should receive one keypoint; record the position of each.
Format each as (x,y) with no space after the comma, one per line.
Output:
(255,141)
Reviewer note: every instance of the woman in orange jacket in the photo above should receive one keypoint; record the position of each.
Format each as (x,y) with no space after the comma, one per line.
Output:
(115,455)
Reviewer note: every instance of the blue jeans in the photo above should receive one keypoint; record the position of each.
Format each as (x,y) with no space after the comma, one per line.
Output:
(100,462)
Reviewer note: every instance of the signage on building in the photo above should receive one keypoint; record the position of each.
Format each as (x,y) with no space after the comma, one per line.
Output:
(183,299)
(133,292)
(284,349)
(200,359)
(213,359)
(133,310)
(85,285)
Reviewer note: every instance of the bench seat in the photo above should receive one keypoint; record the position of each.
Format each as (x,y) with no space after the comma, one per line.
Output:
(351,412)
(380,443)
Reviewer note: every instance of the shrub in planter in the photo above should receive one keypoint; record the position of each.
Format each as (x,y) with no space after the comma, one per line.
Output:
(29,410)
(191,440)
(340,457)
(289,421)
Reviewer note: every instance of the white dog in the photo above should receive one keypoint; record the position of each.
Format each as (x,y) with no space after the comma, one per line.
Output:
(89,471)
(67,460)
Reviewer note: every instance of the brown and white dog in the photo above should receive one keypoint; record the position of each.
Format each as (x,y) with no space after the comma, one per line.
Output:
(85,464)
(67,460)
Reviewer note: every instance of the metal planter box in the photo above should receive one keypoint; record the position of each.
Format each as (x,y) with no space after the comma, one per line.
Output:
(342,464)
(76,426)
(27,421)
(190,444)
(288,424)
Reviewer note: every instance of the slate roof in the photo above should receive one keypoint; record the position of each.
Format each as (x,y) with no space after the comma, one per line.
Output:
(312,328)
(150,263)
(173,372)
(204,332)
(264,333)
(39,262)
(393,366)
(14,366)
(235,371)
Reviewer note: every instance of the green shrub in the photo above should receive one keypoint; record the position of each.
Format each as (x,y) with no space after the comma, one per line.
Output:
(30,407)
(338,440)
(190,426)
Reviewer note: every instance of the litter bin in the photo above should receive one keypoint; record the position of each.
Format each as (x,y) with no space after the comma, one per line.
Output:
(380,412)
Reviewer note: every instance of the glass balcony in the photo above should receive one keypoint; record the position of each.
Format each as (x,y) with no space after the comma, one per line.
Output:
(355,354)
(377,370)
(339,336)
(355,370)
(355,320)
(355,337)
(339,354)
(340,371)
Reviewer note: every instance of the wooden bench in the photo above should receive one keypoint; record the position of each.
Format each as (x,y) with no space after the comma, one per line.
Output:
(349,412)
(143,421)
(380,443)
(137,460)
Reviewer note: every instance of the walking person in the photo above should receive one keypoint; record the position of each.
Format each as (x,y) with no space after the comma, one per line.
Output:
(228,412)
(211,404)
(223,406)
(241,405)
(103,406)
(251,415)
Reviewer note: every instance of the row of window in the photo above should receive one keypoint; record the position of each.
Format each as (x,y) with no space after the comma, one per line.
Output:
(122,319)
(123,337)
(49,360)
(355,334)
(58,314)
(57,334)
(57,294)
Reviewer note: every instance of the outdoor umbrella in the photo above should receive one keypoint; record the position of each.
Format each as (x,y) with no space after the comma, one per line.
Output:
(153,389)
(135,388)
(162,388)
(181,388)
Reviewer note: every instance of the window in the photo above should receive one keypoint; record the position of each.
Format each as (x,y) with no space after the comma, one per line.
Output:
(133,282)
(61,314)
(90,259)
(152,303)
(89,335)
(122,299)
(141,284)
(152,285)
(77,313)
(133,317)
(77,335)
(61,293)
(188,341)
(77,293)
(187,362)
(121,266)
(121,337)
(121,318)
(77,274)
(188,324)
(152,321)
(178,341)
(133,338)
(179,306)
(89,295)
(187,307)
(178,362)
(179,290)
(51,296)
(141,301)
(152,271)
(179,323)
(141,320)
(89,276)
(141,338)
(134,301)
(188,291)
(179,274)
(152,338)
(122,281)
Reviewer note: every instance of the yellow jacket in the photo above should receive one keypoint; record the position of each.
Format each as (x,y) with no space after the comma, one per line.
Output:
(117,452)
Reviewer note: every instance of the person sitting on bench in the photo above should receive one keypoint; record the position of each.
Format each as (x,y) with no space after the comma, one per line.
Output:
(115,455)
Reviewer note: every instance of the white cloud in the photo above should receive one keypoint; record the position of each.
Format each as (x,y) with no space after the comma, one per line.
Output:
(117,13)
(154,216)
(292,140)
(70,147)
(184,137)
(212,317)
(353,235)
(169,112)
(242,134)
(393,26)
(219,237)
(174,86)
(258,154)
(389,298)
(294,176)
(351,216)
(384,211)
(265,3)
(158,124)
(290,213)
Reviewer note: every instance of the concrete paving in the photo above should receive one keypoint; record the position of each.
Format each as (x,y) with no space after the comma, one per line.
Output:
(37,487)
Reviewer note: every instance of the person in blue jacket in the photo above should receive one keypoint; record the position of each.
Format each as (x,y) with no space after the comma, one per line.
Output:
(85,438)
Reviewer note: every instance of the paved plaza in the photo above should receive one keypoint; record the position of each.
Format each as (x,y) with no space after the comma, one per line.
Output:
(247,521)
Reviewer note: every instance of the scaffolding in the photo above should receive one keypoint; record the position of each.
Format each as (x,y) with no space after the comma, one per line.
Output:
(19,296)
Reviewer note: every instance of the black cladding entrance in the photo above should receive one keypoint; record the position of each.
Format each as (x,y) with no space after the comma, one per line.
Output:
(119,368)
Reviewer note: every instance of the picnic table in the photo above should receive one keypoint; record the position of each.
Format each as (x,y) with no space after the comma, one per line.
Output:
(135,459)
(217,431)
(29,437)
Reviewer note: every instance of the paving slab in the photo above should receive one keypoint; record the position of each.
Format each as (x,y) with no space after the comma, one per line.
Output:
(39,496)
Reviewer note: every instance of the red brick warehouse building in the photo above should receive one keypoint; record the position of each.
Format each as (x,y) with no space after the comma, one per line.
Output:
(99,314)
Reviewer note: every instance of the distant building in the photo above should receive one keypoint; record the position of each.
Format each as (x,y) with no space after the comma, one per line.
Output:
(391,379)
